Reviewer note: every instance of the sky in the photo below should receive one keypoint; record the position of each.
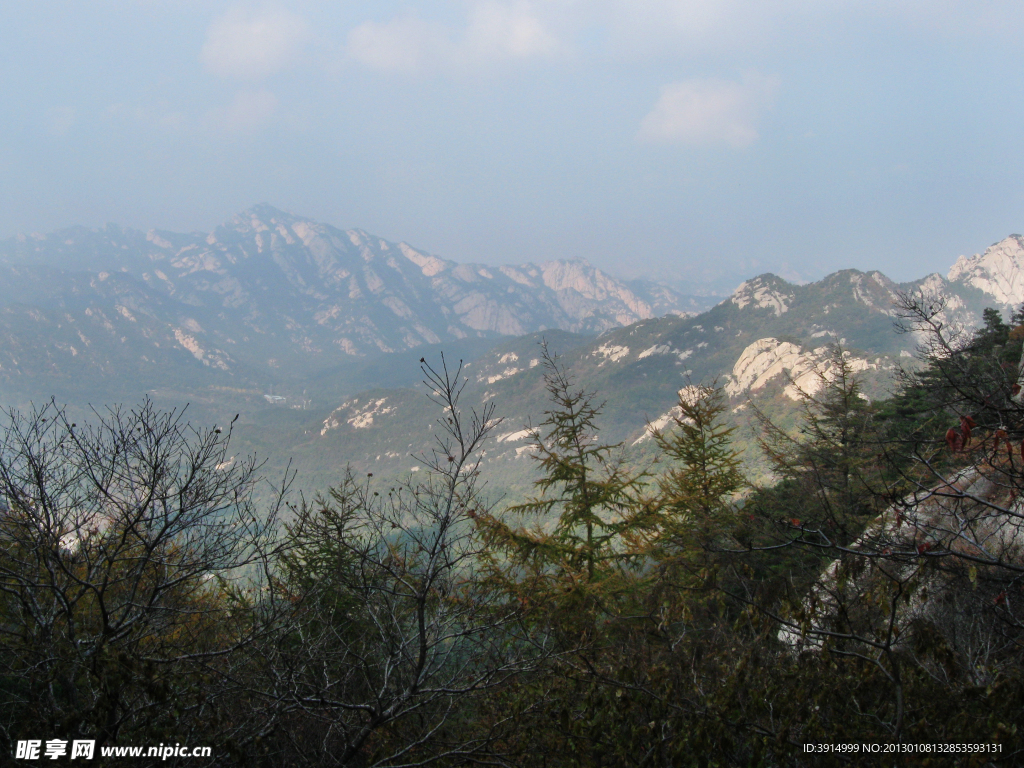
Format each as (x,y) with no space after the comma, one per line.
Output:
(695,141)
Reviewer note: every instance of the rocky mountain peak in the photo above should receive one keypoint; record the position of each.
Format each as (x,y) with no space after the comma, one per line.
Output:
(765,291)
(264,216)
(999,271)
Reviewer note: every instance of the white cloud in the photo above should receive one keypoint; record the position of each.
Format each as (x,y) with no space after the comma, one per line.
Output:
(493,31)
(405,44)
(503,29)
(655,29)
(709,111)
(253,45)
(248,111)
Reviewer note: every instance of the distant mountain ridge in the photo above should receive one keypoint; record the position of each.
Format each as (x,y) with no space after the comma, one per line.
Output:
(994,278)
(768,342)
(270,314)
(270,289)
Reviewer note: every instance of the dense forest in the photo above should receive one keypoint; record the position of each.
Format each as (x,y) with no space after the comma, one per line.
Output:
(153,590)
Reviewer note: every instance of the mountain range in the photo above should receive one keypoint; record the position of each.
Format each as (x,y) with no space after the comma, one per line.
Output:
(764,344)
(271,292)
(314,334)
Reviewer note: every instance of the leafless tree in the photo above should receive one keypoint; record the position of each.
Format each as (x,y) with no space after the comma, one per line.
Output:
(395,635)
(126,547)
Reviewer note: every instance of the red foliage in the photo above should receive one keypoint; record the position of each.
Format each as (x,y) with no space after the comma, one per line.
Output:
(999,436)
(954,439)
(966,423)
(959,439)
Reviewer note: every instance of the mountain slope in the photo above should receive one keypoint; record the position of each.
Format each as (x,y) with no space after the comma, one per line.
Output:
(298,326)
(766,343)
(270,293)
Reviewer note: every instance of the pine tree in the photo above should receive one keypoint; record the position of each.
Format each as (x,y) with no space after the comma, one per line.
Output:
(830,466)
(697,493)
(589,512)
(698,521)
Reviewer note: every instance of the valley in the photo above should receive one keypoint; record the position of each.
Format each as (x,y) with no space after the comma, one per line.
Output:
(313,336)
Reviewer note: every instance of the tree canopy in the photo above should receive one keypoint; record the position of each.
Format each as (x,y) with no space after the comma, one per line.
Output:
(153,588)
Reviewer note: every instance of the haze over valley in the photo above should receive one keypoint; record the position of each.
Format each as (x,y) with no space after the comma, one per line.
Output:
(314,335)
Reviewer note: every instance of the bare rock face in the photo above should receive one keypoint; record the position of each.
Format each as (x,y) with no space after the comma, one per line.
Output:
(764,292)
(804,370)
(947,551)
(874,290)
(356,414)
(580,284)
(999,271)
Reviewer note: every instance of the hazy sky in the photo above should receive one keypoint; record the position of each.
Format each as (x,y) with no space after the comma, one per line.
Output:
(668,138)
